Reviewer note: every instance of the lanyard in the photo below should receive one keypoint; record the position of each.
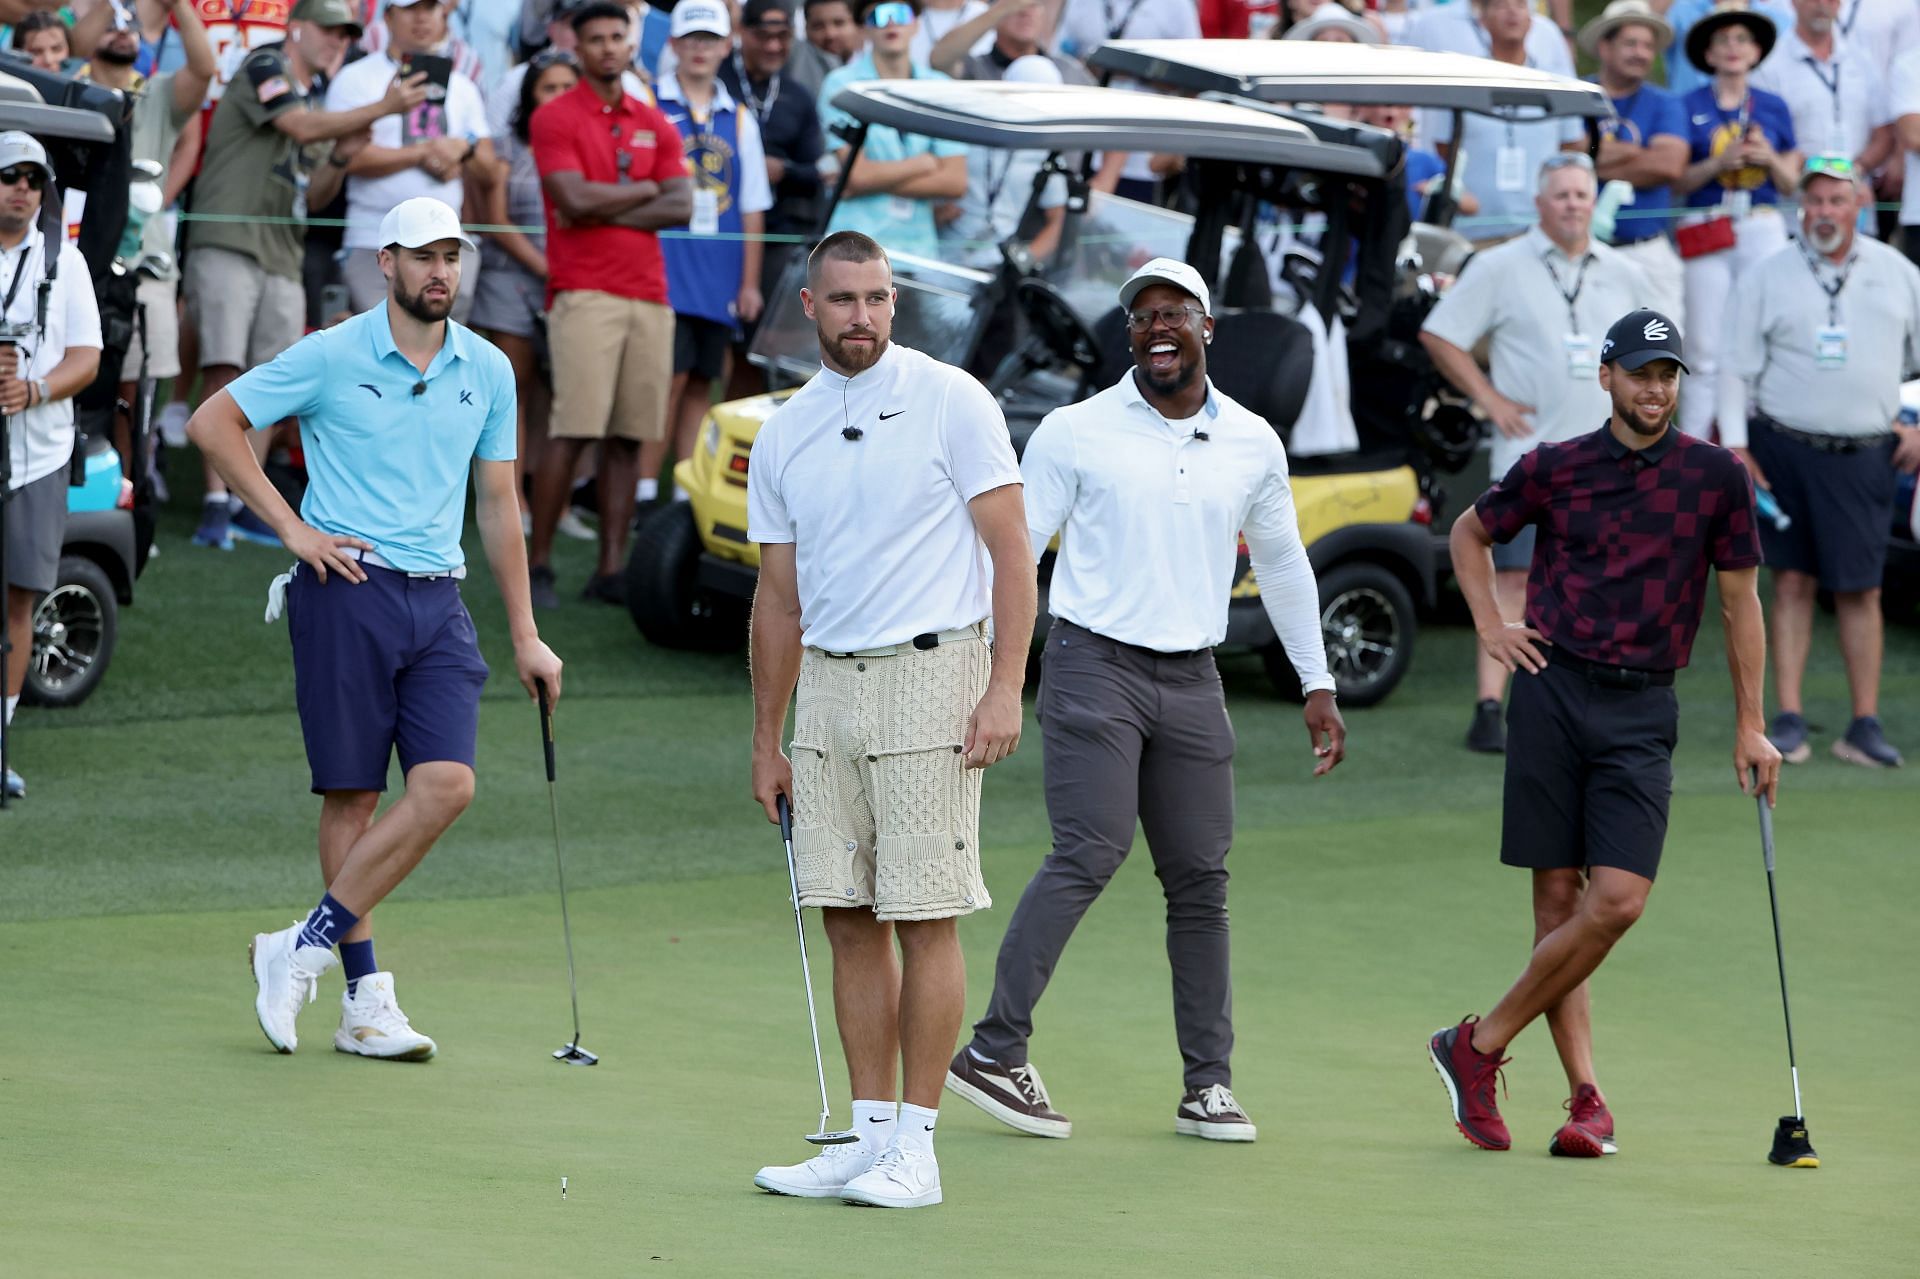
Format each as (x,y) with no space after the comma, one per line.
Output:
(761,107)
(994,184)
(19,271)
(1832,291)
(1831,86)
(1579,282)
(1853,16)
(1115,28)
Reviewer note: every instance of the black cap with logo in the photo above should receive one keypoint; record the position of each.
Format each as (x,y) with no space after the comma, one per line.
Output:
(1641,337)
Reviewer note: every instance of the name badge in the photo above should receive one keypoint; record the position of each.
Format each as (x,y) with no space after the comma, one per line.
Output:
(1581,362)
(1830,346)
(1510,169)
(706,212)
(1738,204)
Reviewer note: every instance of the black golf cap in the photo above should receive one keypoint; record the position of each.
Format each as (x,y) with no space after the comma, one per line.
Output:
(1641,337)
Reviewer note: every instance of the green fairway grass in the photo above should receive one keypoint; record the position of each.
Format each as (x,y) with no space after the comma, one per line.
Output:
(146,1126)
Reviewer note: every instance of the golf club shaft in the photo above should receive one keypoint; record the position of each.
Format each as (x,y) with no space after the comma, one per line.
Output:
(806,971)
(559,865)
(1779,949)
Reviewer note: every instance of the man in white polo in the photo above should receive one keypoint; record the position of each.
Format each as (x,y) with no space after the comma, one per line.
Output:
(1545,299)
(1148,483)
(886,501)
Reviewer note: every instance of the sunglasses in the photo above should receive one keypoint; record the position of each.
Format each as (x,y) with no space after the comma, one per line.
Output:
(894,13)
(36,178)
(1567,160)
(1830,166)
(553,58)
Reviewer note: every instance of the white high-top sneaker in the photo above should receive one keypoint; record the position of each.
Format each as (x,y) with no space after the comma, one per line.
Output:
(372,1025)
(900,1178)
(821,1177)
(288,976)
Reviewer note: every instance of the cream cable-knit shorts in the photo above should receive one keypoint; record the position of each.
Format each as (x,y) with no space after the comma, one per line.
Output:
(886,812)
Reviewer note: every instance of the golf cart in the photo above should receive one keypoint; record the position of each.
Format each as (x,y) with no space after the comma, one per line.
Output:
(76,624)
(1364,516)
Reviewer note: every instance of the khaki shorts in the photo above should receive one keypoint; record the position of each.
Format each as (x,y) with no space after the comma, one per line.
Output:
(367,283)
(160,298)
(245,315)
(612,366)
(886,812)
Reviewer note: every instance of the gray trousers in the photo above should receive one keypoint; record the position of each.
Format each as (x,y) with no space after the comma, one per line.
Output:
(1128,734)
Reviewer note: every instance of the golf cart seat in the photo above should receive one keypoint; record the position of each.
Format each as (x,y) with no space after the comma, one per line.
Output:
(1263,359)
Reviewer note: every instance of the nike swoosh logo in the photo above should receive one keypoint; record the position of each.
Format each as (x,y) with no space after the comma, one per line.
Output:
(368,386)
(896,413)
(872,1120)
(1701,119)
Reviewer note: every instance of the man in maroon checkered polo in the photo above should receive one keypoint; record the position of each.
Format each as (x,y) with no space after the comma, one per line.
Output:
(1630,517)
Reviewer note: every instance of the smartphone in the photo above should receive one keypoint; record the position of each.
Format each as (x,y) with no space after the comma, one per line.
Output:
(439,72)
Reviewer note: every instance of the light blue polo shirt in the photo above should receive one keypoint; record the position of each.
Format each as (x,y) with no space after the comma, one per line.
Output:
(383,463)
(902,224)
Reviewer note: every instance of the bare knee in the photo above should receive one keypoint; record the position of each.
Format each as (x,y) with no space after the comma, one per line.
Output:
(445,789)
(359,805)
(1791,586)
(927,936)
(1556,898)
(851,929)
(1614,912)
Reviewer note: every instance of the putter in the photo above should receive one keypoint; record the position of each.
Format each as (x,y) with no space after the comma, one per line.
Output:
(1791,1146)
(820,1136)
(572,1054)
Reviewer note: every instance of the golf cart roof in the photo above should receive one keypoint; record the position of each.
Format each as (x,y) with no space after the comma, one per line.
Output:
(991,113)
(22,107)
(1354,74)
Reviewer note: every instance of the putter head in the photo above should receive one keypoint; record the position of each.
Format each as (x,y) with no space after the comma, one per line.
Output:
(574,1055)
(1791,1147)
(833,1138)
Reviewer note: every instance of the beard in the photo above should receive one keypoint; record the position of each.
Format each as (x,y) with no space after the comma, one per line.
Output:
(1168,386)
(850,357)
(117,53)
(1639,423)
(1825,237)
(420,307)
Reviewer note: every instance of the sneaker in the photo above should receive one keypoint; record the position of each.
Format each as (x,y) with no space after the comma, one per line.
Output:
(605,587)
(1788,733)
(248,527)
(1866,745)
(216,529)
(1588,1132)
(16,788)
(540,586)
(289,978)
(171,423)
(1213,1114)
(1469,1077)
(822,1177)
(372,1025)
(1488,735)
(1012,1094)
(899,1178)
(571,525)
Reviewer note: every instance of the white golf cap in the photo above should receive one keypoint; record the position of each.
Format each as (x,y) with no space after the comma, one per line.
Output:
(22,148)
(423,220)
(710,16)
(1167,271)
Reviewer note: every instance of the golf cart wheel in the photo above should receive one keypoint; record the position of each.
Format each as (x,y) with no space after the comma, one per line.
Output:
(664,594)
(74,630)
(1366,617)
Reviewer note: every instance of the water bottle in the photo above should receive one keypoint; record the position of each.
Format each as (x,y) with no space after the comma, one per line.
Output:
(1769,508)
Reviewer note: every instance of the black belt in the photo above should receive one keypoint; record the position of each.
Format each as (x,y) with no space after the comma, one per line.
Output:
(1822,442)
(1155,653)
(1627,677)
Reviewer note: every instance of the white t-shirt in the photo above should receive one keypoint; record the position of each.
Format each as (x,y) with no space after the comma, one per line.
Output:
(1836,105)
(462,115)
(42,437)
(1904,99)
(884,542)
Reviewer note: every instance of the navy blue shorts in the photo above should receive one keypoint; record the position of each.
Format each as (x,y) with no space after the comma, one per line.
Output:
(1516,556)
(1841,504)
(1589,773)
(391,662)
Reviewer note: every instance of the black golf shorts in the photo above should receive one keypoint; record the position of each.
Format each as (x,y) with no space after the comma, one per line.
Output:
(1589,773)
(700,346)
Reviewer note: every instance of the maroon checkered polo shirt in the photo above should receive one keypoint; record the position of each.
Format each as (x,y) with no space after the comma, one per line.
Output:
(1620,570)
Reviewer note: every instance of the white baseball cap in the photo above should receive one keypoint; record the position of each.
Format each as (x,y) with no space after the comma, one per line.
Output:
(423,220)
(690,16)
(22,148)
(1167,271)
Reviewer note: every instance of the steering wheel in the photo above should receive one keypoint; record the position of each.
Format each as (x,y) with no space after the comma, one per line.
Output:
(1057,326)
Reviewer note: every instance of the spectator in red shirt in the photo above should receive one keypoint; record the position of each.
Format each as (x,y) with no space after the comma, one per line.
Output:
(614,174)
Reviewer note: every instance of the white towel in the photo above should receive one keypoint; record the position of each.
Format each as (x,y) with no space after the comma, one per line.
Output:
(277,594)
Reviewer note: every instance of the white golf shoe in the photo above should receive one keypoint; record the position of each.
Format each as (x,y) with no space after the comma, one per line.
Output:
(372,1025)
(822,1177)
(288,977)
(899,1178)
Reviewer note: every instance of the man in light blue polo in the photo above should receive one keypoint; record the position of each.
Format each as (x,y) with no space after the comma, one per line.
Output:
(397,407)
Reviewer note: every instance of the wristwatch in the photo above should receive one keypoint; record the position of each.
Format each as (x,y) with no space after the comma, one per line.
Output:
(40,389)
(333,158)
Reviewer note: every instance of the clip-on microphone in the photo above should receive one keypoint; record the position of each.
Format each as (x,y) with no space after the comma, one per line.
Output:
(851,433)
(420,387)
(1202,436)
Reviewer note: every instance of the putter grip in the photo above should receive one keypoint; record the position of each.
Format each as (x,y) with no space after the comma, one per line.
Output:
(546,723)
(785,810)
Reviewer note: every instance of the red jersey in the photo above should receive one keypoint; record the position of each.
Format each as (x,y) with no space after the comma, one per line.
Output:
(631,142)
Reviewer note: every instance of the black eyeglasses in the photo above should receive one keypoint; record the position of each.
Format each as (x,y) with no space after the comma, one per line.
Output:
(35,176)
(1174,317)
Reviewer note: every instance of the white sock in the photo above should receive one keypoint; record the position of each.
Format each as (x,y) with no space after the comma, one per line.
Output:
(916,1128)
(211,498)
(646,490)
(875,1122)
(11,703)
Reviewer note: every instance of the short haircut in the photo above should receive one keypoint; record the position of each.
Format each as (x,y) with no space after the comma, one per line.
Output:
(38,20)
(811,5)
(598,10)
(861,8)
(1562,161)
(844,246)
